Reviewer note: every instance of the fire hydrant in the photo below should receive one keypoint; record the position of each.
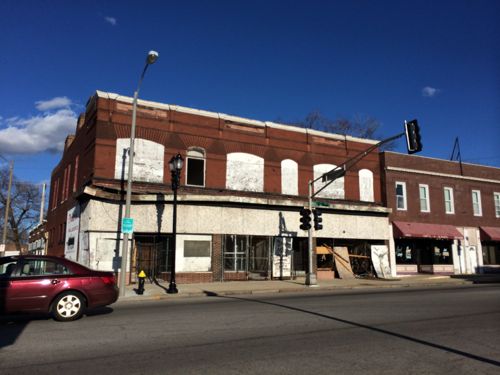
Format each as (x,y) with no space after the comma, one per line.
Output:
(142,277)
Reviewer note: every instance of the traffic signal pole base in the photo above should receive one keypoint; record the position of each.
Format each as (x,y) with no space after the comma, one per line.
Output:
(311,279)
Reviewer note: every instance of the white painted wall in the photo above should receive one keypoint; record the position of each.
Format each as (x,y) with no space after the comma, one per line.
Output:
(148,160)
(289,177)
(334,190)
(191,264)
(244,172)
(366,185)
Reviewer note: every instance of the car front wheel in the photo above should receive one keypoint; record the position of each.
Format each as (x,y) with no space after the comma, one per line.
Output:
(68,306)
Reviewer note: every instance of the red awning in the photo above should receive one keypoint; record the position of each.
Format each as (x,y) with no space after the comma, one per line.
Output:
(490,233)
(403,229)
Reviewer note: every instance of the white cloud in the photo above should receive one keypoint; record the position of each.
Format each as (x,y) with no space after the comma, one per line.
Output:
(111,20)
(44,132)
(429,91)
(54,103)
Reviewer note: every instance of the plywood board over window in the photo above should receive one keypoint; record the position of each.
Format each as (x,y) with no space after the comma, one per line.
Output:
(335,190)
(244,172)
(148,160)
(289,177)
(366,185)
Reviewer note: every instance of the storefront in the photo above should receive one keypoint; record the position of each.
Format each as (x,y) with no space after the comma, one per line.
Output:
(425,248)
(490,244)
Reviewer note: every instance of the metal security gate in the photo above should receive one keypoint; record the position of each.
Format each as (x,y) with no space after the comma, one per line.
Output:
(152,256)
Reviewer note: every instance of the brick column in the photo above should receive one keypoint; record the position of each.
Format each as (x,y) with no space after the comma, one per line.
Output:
(217,266)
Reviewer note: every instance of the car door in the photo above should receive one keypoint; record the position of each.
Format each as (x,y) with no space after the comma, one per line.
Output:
(35,284)
(8,267)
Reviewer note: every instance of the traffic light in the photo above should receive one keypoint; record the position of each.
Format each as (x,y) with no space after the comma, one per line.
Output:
(305,219)
(317,219)
(413,140)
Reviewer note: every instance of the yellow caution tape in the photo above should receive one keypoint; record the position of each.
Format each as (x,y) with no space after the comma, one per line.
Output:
(141,274)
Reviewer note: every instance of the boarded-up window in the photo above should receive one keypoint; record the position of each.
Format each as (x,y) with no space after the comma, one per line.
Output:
(289,177)
(148,160)
(366,185)
(196,249)
(335,190)
(244,172)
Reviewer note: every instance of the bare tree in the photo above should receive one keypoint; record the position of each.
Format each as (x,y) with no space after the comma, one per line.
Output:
(24,208)
(359,126)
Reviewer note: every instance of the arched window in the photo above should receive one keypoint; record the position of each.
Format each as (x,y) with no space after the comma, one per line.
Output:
(244,172)
(366,185)
(335,190)
(195,167)
(289,177)
(148,160)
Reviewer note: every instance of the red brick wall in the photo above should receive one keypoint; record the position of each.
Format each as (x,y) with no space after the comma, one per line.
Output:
(462,190)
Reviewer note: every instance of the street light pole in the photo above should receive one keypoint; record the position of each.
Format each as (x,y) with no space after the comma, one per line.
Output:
(151,58)
(175,165)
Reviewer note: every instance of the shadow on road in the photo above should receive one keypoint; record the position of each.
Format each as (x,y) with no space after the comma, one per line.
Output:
(371,328)
(12,326)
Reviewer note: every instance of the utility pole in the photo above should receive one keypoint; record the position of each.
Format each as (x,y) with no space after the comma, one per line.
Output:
(42,203)
(7,206)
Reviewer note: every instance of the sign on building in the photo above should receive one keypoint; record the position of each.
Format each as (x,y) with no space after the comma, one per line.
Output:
(72,229)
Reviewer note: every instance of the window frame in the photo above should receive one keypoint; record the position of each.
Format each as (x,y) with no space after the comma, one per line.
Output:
(405,203)
(193,151)
(478,203)
(426,198)
(496,203)
(452,200)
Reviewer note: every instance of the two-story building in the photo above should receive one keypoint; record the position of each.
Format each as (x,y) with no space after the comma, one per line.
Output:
(445,215)
(242,186)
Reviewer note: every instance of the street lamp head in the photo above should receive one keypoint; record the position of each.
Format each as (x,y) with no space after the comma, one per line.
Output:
(176,163)
(152,57)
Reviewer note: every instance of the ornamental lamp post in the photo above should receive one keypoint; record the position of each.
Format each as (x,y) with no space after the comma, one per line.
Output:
(175,166)
(150,59)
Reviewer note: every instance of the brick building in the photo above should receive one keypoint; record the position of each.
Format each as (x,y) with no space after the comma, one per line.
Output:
(242,187)
(445,214)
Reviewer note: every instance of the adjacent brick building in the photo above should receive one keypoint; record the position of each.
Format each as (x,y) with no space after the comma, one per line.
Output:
(445,214)
(242,186)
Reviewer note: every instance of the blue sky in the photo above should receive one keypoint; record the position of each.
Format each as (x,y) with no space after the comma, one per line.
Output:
(438,61)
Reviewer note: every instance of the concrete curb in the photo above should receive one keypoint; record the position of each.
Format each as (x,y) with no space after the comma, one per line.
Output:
(326,288)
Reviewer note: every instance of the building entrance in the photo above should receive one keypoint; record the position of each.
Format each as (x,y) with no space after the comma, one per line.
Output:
(152,255)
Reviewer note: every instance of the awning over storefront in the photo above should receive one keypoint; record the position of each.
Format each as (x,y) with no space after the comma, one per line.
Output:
(403,229)
(490,233)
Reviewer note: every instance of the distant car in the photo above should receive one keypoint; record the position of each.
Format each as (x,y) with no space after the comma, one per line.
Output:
(53,285)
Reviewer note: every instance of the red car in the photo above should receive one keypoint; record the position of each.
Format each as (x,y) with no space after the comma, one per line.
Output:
(54,285)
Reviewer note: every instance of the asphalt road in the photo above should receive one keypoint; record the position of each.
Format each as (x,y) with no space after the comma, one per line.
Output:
(410,331)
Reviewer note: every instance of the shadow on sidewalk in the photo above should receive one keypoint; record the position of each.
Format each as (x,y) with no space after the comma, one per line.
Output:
(371,328)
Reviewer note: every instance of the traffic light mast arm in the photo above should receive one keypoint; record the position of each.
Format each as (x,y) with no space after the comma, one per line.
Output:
(340,171)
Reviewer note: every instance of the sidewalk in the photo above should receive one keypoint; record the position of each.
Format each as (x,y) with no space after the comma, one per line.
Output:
(155,292)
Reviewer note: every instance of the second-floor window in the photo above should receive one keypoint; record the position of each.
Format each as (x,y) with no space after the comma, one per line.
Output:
(195,167)
(424,198)
(449,206)
(496,198)
(476,203)
(401,196)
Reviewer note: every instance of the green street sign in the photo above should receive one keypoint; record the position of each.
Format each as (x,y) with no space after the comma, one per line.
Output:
(127,225)
(321,204)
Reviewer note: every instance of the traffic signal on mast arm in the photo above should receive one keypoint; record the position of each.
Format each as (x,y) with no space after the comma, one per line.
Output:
(317,219)
(305,219)
(413,140)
